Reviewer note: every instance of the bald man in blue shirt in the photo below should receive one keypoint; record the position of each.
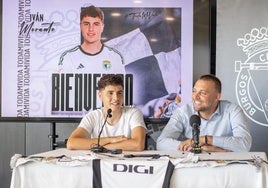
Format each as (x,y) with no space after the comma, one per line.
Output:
(223,126)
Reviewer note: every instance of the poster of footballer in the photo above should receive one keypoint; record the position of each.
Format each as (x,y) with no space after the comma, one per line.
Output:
(47,74)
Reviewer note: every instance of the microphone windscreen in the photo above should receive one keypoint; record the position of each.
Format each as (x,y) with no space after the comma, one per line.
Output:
(109,111)
(195,119)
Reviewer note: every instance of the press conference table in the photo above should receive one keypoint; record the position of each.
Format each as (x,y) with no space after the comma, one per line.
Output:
(77,168)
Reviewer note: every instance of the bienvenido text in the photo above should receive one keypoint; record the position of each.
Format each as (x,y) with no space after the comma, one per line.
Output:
(78,92)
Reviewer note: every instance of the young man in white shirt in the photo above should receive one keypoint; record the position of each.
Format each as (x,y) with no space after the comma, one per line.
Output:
(125,129)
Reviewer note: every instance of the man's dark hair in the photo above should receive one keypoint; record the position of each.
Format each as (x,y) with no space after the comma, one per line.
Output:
(213,78)
(92,11)
(110,79)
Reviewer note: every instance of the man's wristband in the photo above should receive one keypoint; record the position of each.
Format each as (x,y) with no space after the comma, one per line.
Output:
(206,140)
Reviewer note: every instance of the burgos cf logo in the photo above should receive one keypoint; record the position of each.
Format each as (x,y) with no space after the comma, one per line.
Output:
(251,82)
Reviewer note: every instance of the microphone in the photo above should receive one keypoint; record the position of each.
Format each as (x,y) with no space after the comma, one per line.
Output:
(195,123)
(99,148)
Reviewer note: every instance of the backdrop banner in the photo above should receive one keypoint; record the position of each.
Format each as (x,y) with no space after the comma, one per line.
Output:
(242,54)
(41,80)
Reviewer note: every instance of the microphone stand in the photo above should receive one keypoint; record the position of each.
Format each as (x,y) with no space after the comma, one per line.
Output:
(99,148)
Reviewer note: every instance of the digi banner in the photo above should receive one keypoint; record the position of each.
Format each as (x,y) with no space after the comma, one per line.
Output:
(44,74)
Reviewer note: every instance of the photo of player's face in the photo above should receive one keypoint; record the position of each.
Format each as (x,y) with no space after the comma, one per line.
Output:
(91,29)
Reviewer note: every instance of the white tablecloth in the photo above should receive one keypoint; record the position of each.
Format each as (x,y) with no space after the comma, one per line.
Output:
(69,168)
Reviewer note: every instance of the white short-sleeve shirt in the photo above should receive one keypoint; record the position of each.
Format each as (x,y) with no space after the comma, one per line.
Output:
(130,118)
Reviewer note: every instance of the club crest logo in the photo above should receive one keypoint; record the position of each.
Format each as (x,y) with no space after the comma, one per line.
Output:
(106,64)
(251,82)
